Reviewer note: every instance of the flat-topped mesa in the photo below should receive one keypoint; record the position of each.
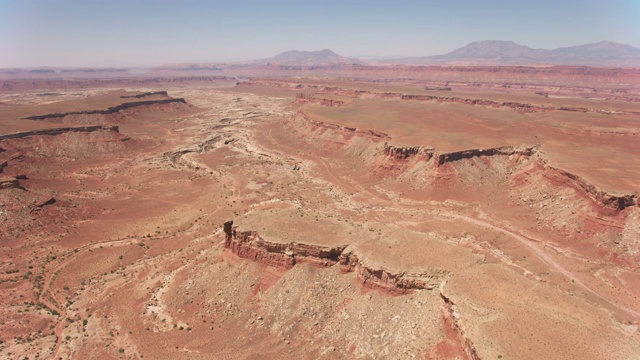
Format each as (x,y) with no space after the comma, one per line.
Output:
(305,98)
(62,130)
(250,245)
(520,107)
(511,105)
(352,93)
(393,160)
(111,110)
(403,153)
(438,88)
(471,153)
(146,94)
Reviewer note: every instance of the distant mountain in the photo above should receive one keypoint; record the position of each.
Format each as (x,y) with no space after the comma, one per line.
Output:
(601,51)
(306,58)
(497,52)
(494,49)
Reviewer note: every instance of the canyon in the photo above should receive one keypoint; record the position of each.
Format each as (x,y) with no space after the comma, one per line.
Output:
(331,211)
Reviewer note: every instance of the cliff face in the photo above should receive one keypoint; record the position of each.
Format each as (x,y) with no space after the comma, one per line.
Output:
(395,161)
(387,281)
(70,142)
(612,202)
(304,98)
(58,131)
(250,245)
(109,111)
(623,94)
(146,94)
(404,153)
(9,183)
(471,153)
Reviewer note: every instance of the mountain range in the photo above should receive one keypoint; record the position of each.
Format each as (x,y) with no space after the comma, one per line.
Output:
(604,53)
(489,52)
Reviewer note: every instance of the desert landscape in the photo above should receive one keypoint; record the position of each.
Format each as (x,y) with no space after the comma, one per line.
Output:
(459,213)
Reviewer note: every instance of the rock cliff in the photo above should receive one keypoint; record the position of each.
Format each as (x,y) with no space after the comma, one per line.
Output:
(393,160)
(250,245)
(58,131)
(304,98)
(109,111)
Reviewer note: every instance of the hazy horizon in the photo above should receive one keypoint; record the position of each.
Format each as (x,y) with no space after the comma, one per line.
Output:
(146,33)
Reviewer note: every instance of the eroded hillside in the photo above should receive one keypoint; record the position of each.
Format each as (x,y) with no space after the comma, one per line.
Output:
(317,220)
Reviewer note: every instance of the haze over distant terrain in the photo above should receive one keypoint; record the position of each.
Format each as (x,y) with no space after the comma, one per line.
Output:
(297,179)
(80,33)
(498,52)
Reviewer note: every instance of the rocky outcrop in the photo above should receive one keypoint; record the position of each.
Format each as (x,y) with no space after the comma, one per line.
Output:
(111,110)
(609,91)
(146,94)
(403,153)
(9,183)
(304,98)
(42,202)
(471,153)
(250,245)
(519,107)
(58,131)
(385,280)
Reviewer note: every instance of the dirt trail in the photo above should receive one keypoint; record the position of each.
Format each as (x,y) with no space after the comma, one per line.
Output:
(541,255)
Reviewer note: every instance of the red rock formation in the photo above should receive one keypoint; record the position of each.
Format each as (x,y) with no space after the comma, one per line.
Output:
(9,183)
(386,281)
(146,94)
(467,154)
(304,98)
(392,159)
(613,202)
(403,153)
(249,245)
(110,110)
(57,131)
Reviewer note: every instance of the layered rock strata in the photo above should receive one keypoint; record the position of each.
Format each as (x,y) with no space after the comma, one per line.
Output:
(250,245)
(58,131)
(111,110)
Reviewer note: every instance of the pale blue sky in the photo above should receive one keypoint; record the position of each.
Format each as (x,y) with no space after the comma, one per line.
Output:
(107,32)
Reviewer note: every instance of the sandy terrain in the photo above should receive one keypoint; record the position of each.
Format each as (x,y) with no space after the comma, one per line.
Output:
(319,218)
